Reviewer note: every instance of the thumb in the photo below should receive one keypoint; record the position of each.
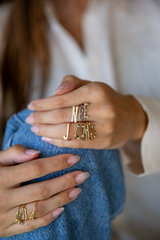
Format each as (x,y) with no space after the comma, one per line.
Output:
(17,154)
(70,83)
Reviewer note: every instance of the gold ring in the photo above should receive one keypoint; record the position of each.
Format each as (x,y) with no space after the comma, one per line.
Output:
(24,213)
(19,216)
(67,137)
(74,116)
(83,112)
(85,131)
(33,212)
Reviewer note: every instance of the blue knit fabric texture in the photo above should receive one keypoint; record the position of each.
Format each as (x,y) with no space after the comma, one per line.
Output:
(103,193)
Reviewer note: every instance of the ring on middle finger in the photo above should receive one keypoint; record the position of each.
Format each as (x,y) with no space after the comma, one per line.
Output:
(21,214)
(74,117)
(83,112)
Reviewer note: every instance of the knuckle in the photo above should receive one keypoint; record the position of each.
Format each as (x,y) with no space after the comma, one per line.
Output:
(40,209)
(59,162)
(68,78)
(60,201)
(60,116)
(112,112)
(60,102)
(66,182)
(108,111)
(96,90)
(36,168)
(42,192)
(37,118)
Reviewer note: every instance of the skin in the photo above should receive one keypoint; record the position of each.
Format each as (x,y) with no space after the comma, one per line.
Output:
(51,194)
(66,11)
(117,118)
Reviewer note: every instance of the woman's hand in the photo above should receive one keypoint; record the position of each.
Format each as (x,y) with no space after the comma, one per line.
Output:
(117,118)
(50,194)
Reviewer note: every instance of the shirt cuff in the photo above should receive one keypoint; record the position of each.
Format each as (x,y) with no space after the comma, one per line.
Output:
(150,144)
(144,157)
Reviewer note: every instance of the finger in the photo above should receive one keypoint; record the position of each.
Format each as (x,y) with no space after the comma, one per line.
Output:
(60,131)
(76,97)
(70,83)
(62,115)
(76,144)
(43,207)
(17,154)
(54,131)
(46,189)
(37,168)
(30,225)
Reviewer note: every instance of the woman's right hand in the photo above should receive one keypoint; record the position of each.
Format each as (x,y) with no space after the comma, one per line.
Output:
(50,194)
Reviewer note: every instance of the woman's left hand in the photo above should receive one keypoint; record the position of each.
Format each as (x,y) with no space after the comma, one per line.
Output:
(117,118)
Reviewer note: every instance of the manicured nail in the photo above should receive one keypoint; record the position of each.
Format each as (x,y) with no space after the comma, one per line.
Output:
(62,86)
(57,212)
(30,119)
(74,193)
(35,129)
(30,107)
(49,140)
(81,177)
(73,160)
(31,152)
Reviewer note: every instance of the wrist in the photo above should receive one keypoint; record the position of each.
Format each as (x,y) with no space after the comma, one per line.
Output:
(139,119)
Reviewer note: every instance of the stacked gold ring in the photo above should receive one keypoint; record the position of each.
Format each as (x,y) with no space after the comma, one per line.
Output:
(21,214)
(84,130)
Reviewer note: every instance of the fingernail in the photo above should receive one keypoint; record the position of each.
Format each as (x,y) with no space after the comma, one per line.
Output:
(62,86)
(35,129)
(30,119)
(74,193)
(49,140)
(73,160)
(57,212)
(81,177)
(31,152)
(30,107)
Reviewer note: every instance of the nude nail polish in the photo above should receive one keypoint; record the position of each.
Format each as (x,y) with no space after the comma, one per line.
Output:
(57,212)
(74,193)
(31,152)
(81,177)
(73,160)
(62,86)
(30,119)
(30,107)
(35,129)
(49,140)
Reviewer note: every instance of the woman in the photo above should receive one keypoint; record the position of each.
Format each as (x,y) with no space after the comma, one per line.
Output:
(123,51)
(90,217)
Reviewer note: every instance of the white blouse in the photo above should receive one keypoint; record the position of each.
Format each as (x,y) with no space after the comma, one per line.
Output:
(138,57)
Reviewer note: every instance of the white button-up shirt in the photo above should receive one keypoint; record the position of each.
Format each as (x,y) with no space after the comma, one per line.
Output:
(121,48)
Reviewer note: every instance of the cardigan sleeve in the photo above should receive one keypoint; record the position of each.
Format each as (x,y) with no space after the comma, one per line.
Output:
(144,157)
